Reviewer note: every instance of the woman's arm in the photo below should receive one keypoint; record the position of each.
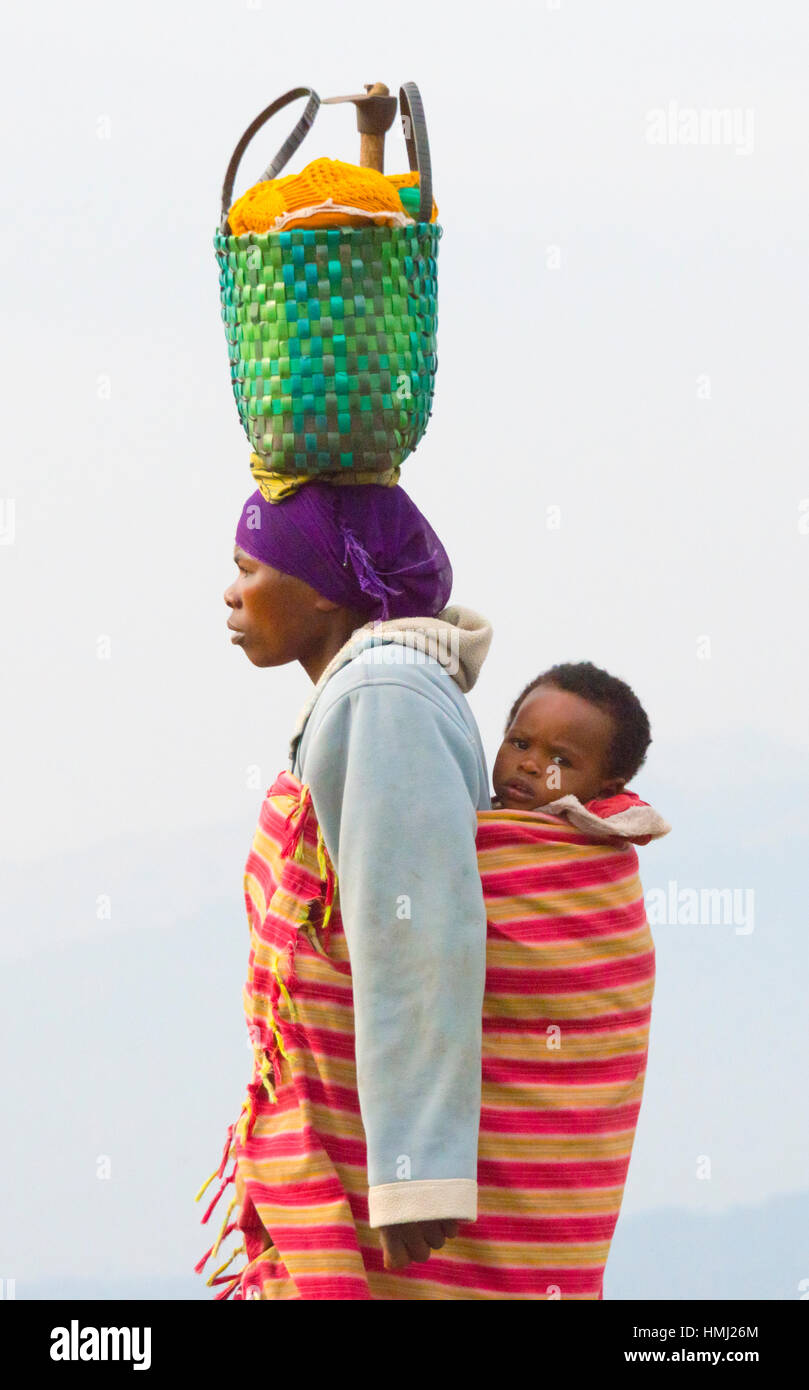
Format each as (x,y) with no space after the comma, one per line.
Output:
(395,782)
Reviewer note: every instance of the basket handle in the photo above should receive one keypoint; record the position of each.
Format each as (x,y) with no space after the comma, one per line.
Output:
(414,127)
(284,154)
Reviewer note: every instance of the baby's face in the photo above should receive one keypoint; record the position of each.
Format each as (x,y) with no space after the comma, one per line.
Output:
(556,745)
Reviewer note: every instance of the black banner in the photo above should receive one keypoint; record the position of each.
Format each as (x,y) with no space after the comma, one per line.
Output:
(159,1339)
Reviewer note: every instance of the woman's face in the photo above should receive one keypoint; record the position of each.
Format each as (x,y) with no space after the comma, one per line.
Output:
(277,618)
(556,745)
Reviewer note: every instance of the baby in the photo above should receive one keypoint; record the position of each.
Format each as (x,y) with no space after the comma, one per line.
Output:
(570,972)
(574,737)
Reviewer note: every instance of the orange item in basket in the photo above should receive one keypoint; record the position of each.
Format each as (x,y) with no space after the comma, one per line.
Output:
(327,193)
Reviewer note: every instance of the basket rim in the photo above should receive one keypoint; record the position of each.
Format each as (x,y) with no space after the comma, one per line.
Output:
(317,235)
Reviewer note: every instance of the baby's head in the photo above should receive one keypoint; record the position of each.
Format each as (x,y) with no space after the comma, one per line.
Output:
(574,730)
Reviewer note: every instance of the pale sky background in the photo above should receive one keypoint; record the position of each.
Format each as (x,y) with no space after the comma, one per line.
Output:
(622,334)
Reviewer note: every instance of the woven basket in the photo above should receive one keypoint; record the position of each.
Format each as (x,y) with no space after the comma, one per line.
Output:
(332,331)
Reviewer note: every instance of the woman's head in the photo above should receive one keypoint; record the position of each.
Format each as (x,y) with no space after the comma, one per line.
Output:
(277,618)
(574,730)
(325,560)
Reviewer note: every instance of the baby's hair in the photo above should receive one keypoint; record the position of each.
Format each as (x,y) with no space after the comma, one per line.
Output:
(632,734)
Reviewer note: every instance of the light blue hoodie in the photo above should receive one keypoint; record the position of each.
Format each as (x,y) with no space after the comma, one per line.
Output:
(393,757)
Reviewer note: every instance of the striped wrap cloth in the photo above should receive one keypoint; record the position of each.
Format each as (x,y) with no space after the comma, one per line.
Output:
(567,1008)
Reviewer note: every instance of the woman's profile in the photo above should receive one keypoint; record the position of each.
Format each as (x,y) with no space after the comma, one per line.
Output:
(356,1149)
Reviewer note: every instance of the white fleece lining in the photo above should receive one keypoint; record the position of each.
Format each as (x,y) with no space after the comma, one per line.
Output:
(432,1199)
(635,820)
(626,825)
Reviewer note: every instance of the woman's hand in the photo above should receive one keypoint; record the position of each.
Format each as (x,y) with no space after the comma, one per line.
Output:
(413,1240)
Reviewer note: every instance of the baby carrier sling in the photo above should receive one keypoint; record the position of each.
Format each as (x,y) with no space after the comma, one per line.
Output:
(569,984)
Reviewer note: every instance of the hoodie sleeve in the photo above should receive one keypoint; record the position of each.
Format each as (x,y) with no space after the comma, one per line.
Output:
(395,782)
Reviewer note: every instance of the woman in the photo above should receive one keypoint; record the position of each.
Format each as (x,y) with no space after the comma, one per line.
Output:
(357,1144)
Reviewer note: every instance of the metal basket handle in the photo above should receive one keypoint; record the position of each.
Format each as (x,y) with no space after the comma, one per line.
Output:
(414,127)
(284,154)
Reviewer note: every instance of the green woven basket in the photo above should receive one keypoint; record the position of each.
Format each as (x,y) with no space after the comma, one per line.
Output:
(331,331)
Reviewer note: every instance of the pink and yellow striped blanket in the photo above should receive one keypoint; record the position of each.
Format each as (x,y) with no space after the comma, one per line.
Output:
(569,985)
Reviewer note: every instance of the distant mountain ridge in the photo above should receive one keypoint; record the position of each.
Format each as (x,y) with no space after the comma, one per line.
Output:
(759,1252)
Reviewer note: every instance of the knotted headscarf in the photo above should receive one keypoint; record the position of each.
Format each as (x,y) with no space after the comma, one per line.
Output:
(364,546)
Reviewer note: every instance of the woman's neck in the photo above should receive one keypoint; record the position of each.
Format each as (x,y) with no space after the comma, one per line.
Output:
(321,653)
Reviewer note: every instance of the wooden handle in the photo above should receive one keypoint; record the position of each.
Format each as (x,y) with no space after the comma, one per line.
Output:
(372,144)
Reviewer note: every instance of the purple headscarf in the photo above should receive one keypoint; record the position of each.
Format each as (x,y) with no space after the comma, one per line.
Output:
(365,546)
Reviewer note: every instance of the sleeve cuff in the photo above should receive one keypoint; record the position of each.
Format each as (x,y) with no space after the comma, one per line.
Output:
(437,1199)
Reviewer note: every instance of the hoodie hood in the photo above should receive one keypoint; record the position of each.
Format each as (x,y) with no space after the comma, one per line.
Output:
(457,637)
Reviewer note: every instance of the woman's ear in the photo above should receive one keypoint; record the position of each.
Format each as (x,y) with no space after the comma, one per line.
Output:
(325,605)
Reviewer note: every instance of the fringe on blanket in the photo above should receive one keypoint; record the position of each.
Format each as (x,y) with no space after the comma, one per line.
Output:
(266,1057)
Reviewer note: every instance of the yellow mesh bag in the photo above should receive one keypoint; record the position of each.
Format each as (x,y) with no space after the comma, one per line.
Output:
(327,193)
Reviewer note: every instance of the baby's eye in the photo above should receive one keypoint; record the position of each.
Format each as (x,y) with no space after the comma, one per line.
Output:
(559,755)
(519,741)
